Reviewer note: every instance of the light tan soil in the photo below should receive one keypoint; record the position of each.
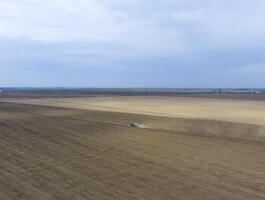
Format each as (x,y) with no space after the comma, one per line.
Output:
(240,111)
(69,154)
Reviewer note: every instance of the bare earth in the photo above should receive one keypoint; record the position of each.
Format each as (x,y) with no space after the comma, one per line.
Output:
(191,148)
(246,111)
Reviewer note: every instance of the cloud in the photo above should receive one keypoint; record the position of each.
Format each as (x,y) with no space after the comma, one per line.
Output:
(56,20)
(146,25)
(169,35)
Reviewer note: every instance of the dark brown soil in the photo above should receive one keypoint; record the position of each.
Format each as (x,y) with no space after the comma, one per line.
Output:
(58,153)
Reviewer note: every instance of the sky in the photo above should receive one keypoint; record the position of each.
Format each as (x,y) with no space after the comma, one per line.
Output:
(139,43)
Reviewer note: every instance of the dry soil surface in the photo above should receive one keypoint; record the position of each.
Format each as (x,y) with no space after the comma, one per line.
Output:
(231,110)
(62,153)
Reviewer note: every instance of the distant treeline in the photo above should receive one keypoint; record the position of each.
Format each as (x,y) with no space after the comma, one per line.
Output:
(133,91)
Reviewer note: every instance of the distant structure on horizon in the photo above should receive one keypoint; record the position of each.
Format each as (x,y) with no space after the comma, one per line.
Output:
(219,91)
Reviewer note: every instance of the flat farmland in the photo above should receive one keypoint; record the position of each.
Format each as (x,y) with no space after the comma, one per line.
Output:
(84,149)
(241,111)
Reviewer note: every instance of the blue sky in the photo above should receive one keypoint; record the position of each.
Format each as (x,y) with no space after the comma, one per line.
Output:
(125,43)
